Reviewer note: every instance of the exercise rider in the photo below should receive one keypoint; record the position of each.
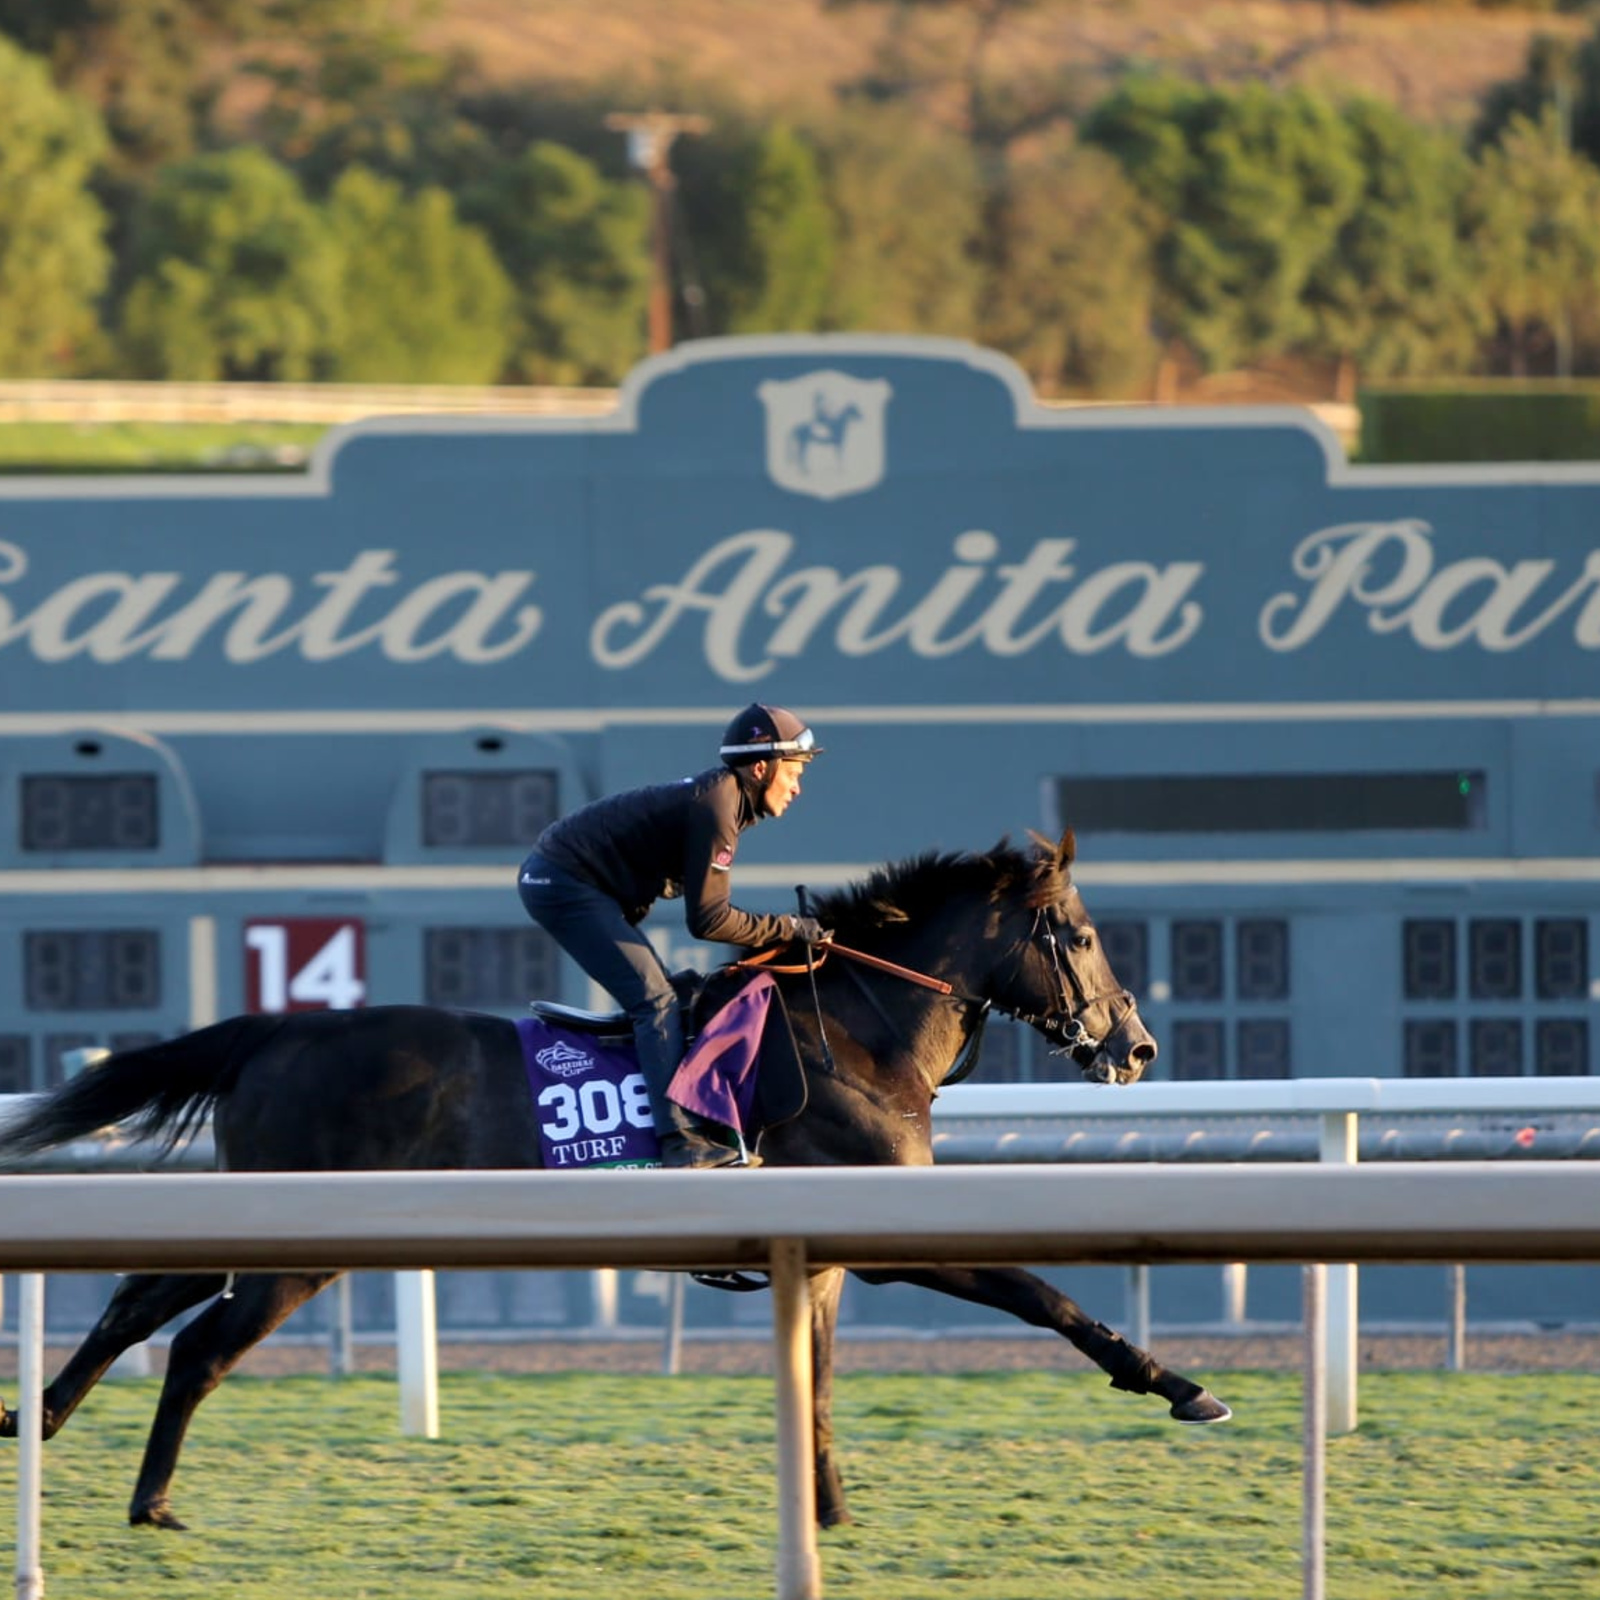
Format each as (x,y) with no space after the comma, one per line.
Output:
(593,876)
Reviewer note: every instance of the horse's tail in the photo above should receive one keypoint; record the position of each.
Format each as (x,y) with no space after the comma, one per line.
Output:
(162,1091)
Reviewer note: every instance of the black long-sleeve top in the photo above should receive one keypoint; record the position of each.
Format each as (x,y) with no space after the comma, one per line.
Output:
(665,840)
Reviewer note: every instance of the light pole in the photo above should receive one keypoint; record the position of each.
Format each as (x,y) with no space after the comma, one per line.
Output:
(650,135)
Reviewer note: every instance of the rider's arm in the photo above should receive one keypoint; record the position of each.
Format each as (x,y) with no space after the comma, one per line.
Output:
(711,837)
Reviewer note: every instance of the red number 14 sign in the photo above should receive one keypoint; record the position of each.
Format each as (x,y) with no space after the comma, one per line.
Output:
(304,964)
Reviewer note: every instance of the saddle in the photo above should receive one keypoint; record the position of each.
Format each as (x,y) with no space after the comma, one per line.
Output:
(781,1092)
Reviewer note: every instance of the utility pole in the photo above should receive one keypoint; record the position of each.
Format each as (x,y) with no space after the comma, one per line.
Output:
(650,135)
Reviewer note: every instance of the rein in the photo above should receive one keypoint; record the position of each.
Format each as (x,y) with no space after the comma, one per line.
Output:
(1065,1025)
(811,978)
(966,1061)
(766,962)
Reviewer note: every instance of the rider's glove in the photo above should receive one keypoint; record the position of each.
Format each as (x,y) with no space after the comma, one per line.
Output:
(807,930)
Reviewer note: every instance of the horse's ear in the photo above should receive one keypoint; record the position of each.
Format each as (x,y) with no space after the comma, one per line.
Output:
(1067,850)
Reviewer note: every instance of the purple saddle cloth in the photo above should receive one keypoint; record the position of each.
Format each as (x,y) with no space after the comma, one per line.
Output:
(590,1095)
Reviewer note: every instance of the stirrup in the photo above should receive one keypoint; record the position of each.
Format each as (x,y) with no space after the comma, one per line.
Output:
(735,1282)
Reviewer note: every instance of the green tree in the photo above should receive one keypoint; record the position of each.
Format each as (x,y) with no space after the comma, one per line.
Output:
(752,202)
(53,259)
(1073,290)
(1534,225)
(939,55)
(1559,75)
(1392,296)
(1552,76)
(788,241)
(907,208)
(236,274)
(1252,188)
(155,67)
(576,246)
(424,300)
(370,95)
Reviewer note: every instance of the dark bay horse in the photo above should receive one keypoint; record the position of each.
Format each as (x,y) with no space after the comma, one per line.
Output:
(406,1087)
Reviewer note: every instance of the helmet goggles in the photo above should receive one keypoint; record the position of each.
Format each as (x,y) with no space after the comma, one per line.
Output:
(762,733)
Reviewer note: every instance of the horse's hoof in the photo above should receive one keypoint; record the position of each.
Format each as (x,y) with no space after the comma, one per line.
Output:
(1204,1407)
(837,1517)
(158,1514)
(8,1422)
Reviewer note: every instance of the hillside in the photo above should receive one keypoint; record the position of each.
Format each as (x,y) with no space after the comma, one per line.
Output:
(1433,62)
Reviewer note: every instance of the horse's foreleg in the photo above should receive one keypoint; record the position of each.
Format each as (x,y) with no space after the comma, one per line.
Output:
(1032,1300)
(202,1355)
(141,1304)
(832,1511)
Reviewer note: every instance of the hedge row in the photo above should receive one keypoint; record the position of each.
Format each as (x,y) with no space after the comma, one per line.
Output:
(1500,422)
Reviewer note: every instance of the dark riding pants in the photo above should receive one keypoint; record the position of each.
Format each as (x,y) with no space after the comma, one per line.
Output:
(589,925)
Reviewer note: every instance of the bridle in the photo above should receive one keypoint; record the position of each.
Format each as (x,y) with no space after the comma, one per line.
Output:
(1063,1026)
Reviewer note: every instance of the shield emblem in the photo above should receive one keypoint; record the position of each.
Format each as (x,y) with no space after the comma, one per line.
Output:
(825,433)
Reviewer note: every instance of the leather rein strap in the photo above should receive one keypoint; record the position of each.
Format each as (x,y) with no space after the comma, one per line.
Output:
(766,961)
(964,1063)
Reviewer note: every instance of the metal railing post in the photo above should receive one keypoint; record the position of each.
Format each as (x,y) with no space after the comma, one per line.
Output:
(1235,1292)
(799,1569)
(1339,1145)
(1137,1314)
(672,1343)
(30,1446)
(341,1330)
(1313,1531)
(1455,1355)
(416,1333)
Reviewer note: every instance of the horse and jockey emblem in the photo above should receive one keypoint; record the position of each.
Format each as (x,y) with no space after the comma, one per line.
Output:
(565,1061)
(825,433)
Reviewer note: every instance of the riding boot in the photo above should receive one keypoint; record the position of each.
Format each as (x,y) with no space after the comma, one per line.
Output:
(696,1142)
(687,1140)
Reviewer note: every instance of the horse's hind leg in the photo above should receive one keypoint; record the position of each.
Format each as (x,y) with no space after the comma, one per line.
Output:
(141,1304)
(203,1353)
(826,1286)
(1034,1301)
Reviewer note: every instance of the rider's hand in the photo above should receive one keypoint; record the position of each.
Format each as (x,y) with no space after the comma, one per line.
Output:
(807,930)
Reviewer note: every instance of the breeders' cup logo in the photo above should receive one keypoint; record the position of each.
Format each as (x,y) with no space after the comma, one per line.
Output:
(825,433)
(563,1060)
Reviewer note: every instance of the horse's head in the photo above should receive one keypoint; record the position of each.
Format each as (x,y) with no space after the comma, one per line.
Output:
(1052,972)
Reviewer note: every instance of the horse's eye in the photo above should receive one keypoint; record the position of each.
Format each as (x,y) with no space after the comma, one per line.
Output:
(1083,941)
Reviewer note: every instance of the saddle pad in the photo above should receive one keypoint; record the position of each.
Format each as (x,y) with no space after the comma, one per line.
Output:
(590,1096)
(718,1076)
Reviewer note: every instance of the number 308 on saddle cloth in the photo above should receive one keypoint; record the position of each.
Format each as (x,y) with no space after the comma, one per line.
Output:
(590,1094)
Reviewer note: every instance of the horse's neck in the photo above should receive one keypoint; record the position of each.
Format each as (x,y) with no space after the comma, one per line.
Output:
(912,1025)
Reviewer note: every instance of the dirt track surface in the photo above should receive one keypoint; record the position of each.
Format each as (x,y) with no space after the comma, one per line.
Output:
(1280,1352)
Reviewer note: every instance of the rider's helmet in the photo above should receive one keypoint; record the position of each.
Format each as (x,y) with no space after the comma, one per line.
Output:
(767,733)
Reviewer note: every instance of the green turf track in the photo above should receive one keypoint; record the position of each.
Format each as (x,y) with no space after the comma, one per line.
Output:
(1019,1486)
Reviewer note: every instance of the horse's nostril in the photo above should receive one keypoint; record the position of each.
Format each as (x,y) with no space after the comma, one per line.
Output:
(1144,1054)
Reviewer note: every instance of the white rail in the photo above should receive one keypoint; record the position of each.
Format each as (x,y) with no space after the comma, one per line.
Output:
(784,1221)
(1016,1102)
(95,400)
(99,400)
(1338,1103)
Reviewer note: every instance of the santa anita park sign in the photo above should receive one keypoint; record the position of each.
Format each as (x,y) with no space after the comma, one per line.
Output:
(833,521)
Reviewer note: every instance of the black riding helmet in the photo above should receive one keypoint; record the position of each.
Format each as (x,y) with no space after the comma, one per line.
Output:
(767,733)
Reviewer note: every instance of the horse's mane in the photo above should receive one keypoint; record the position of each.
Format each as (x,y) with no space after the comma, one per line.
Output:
(913,890)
